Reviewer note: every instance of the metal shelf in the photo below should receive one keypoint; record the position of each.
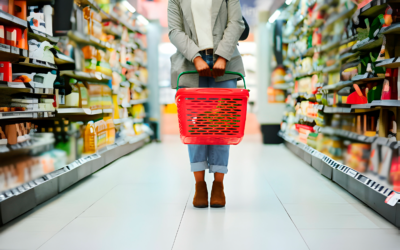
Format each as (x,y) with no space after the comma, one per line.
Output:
(88,39)
(338,85)
(345,134)
(90,77)
(367,77)
(10,20)
(368,44)
(79,111)
(392,29)
(30,62)
(358,184)
(389,63)
(21,199)
(43,37)
(27,114)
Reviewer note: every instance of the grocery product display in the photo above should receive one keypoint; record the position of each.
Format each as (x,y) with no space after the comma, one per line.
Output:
(73,94)
(340,82)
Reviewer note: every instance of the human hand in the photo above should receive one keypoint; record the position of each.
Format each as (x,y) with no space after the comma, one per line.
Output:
(202,67)
(219,67)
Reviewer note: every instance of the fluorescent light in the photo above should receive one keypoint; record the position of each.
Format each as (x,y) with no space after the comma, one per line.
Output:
(274,16)
(142,19)
(288,2)
(129,6)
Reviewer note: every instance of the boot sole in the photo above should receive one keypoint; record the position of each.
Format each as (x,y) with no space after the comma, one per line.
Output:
(204,206)
(217,206)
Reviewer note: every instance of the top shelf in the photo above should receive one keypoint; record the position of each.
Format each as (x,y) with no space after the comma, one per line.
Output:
(10,20)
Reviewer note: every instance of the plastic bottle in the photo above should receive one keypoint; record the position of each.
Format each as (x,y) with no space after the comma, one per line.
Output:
(90,139)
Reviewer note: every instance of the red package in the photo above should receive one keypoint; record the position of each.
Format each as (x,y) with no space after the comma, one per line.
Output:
(5,71)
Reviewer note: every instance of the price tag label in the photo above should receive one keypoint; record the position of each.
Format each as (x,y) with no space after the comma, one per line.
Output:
(351,173)
(15,191)
(392,199)
(21,189)
(8,194)
(4,47)
(14,50)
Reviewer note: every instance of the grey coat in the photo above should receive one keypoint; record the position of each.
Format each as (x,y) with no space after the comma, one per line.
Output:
(228,26)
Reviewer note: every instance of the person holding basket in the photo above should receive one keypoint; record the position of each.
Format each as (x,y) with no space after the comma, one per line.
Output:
(206,34)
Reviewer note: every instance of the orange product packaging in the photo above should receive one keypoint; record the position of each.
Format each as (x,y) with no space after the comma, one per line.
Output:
(90,55)
(101,131)
(110,130)
(90,139)
(20,9)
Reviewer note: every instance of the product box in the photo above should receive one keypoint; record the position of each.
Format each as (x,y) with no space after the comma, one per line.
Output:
(20,9)
(5,71)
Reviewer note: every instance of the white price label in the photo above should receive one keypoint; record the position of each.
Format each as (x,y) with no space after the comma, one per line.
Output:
(392,199)
(14,50)
(352,173)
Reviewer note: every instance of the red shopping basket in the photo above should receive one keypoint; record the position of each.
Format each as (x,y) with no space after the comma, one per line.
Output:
(212,116)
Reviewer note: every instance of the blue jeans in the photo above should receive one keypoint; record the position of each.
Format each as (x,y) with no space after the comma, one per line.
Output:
(212,157)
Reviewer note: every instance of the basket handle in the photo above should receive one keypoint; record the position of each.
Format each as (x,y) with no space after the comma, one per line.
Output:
(195,72)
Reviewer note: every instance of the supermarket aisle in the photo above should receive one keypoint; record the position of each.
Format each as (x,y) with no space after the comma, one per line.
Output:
(143,201)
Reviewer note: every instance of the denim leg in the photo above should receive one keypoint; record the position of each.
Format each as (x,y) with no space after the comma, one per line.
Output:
(198,155)
(218,156)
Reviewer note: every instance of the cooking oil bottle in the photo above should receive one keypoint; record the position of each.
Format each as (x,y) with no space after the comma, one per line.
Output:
(90,140)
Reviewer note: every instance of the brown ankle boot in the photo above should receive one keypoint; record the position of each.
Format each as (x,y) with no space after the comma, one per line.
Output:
(217,195)
(200,199)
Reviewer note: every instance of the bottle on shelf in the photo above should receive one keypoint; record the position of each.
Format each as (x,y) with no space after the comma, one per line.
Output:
(90,139)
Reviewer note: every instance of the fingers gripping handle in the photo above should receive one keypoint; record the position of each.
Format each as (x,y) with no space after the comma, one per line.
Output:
(195,72)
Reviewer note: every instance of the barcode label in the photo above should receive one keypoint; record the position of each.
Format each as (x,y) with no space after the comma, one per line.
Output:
(5,48)
(8,114)
(14,50)
(352,173)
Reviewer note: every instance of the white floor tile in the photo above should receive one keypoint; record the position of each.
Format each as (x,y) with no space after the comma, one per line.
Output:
(350,239)
(332,221)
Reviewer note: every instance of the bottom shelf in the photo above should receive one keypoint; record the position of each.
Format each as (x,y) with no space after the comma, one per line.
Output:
(358,184)
(17,201)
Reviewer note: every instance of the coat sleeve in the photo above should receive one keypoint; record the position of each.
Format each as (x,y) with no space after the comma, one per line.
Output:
(177,35)
(233,31)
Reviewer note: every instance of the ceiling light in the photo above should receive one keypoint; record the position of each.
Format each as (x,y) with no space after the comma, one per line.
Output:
(129,6)
(274,16)
(142,19)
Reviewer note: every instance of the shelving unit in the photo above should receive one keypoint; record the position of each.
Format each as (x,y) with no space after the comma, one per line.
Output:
(369,191)
(62,119)
(325,117)
(44,188)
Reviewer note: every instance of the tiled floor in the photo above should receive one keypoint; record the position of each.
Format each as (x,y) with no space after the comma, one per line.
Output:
(143,201)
